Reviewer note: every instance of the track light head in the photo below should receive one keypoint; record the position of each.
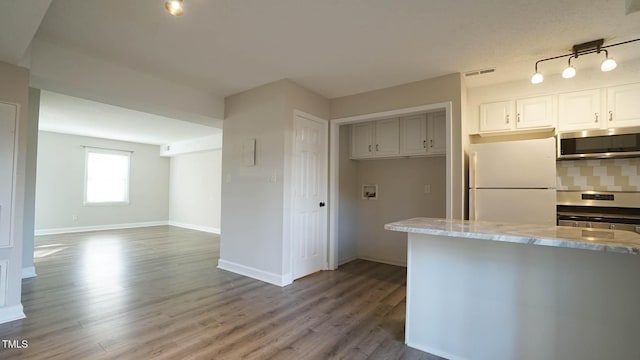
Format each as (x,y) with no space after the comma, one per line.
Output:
(608,63)
(537,78)
(570,71)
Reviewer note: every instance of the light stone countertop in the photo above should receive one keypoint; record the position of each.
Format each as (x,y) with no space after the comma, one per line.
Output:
(617,241)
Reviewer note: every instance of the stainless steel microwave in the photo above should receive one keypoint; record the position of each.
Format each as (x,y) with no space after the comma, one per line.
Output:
(599,144)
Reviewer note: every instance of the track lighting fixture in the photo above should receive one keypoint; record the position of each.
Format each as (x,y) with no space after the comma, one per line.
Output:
(174,7)
(570,71)
(591,47)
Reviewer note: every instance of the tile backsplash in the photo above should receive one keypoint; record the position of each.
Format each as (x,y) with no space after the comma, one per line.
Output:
(600,175)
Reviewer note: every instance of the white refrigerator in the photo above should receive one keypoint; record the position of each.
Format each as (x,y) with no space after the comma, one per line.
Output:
(513,181)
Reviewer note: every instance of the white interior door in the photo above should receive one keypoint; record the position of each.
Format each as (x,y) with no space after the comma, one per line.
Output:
(309,195)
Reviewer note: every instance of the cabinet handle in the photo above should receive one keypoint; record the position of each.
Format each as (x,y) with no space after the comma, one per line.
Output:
(424,144)
(369,148)
(518,117)
(610,115)
(507,119)
(596,117)
(377,147)
(431,143)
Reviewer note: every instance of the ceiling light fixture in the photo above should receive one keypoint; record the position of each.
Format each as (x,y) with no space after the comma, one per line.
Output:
(174,7)
(591,47)
(570,71)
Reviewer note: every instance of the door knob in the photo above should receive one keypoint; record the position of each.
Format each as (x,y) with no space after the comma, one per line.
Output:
(322,204)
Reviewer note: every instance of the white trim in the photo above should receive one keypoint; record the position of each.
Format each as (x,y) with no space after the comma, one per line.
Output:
(4,282)
(11,313)
(435,352)
(29,272)
(207,229)
(383,261)
(98,228)
(254,273)
(334,164)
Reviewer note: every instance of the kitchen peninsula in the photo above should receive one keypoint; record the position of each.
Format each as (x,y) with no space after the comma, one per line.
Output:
(489,290)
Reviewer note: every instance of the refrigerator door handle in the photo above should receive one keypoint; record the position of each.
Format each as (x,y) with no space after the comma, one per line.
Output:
(474,209)
(474,167)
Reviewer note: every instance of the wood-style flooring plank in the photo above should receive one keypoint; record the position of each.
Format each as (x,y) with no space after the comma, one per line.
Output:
(156,293)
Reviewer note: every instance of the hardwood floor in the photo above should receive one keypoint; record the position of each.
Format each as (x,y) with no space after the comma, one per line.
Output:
(156,293)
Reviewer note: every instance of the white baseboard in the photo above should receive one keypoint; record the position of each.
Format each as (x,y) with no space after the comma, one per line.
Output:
(208,229)
(433,351)
(11,313)
(98,228)
(384,261)
(271,278)
(29,272)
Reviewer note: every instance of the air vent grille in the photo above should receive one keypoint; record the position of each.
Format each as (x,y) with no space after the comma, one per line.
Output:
(480,72)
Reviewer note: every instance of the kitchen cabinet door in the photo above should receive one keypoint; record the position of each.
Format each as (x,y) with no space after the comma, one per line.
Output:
(623,105)
(579,110)
(496,116)
(8,117)
(387,135)
(361,140)
(436,133)
(534,112)
(413,135)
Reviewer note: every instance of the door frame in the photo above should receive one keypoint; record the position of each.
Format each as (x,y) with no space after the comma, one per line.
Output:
(287,256)
(334,164)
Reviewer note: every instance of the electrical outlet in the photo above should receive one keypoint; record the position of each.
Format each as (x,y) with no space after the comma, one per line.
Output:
(427,189)
(74,217)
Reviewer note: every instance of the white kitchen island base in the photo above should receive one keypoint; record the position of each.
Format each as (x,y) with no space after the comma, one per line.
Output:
(473,299)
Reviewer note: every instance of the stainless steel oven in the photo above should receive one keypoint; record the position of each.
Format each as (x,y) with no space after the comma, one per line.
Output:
(603,210)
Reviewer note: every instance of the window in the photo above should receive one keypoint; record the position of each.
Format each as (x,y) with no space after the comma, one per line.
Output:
(106,176)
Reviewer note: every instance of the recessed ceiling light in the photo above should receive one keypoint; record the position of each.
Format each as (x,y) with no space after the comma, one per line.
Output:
(174,7)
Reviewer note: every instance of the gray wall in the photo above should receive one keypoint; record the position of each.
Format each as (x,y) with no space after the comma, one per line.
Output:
(348,200)
(254,206)
(400,196)
(425,92)
(60,184)
(30,190)
(14,88)
(194,190)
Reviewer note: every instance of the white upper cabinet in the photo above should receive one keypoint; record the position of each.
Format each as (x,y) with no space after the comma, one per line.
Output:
(375,139)
(579,110)
(413,135)
(496,116)
(362,140)
(436,133)
(521,114)
(623,105)
(534,112)
(387,136)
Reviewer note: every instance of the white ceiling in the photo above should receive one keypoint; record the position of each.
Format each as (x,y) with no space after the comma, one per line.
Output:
(71,115)
(335,47)
(332,47)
